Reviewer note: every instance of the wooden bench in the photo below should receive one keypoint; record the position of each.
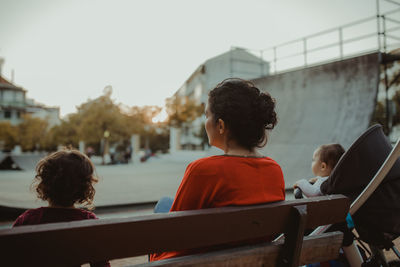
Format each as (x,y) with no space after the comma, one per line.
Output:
(80,242)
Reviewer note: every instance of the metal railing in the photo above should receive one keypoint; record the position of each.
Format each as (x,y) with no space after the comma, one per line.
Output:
(301,52)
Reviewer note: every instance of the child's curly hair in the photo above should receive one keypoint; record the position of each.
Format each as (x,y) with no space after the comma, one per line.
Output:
(64,178)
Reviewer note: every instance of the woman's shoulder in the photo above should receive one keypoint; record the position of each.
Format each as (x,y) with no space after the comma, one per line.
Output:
(270,160)
(226,160)
(207,162)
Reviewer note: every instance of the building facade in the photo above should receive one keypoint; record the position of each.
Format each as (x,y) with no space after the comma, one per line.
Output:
(14,104)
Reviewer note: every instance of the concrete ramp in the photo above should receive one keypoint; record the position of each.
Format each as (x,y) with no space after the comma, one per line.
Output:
(330,103)
(27,161)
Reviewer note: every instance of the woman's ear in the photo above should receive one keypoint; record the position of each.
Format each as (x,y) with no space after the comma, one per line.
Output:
(221,126)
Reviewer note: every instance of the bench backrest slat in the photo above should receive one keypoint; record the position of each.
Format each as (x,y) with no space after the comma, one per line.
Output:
(96,240)
(315,249)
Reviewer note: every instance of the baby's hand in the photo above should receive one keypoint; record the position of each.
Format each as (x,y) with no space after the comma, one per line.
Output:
(313,180)
(295,185)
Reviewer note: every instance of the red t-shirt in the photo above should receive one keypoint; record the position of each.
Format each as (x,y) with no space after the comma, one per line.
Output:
(220,181)
(53,215)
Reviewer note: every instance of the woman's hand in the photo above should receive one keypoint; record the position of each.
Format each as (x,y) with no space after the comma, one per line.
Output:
(313,180)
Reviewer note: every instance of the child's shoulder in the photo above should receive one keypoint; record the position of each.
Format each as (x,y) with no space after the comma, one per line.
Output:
(52,215)
(87,214)
(31,216)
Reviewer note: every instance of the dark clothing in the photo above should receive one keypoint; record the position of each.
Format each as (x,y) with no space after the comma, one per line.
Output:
(53,215)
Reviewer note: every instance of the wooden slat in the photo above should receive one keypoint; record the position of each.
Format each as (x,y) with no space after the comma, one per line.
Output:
(315,249)
(96,240)
(290,253)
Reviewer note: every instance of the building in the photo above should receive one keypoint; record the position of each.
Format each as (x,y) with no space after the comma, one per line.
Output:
(38,110)
(14,104)
(238,63)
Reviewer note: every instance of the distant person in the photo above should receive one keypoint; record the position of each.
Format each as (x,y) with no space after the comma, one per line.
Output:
(89,151)
(238,115)
(64,179)
(324,161)
(128,154)
(112,152)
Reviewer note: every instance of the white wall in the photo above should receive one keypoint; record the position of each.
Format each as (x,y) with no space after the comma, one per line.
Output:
(51,115)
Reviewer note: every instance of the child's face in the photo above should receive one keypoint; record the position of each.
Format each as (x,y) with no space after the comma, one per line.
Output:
(318,167)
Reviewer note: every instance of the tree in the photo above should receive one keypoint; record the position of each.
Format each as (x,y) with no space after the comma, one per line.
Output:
(391,79)
(65,134)
(32,133)
(396,103)
(182,109)
(8,136)
(141,118)
(94,117)
(379,116)
(97,116)
(158,137)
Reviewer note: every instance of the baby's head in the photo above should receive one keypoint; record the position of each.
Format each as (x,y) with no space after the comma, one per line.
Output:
(325,158)
(65,178)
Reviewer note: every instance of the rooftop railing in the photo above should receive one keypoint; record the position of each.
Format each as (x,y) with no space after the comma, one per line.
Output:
(382,34)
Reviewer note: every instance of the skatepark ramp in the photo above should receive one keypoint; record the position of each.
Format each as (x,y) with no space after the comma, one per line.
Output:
(328,103)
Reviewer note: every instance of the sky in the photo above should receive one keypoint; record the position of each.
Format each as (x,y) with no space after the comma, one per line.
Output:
(66,52)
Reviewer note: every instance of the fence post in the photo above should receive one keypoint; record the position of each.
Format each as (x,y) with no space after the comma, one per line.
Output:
(378,24)
(305,51)
(231,62)
(262,63)
(384,32)
(341,42)
(275,59)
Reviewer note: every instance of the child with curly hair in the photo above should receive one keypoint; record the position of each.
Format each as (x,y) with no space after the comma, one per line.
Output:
(63,179)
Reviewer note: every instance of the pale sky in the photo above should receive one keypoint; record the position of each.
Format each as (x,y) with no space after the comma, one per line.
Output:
(65,52)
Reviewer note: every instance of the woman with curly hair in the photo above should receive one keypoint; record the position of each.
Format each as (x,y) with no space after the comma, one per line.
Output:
(238,116)
(63,179)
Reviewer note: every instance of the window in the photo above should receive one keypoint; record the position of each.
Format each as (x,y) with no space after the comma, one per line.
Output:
(7,114)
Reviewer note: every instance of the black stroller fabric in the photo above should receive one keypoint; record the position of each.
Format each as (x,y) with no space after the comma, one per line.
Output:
(378,220)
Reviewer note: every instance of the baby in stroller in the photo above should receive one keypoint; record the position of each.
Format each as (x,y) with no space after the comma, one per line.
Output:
(324,161)
(377,221)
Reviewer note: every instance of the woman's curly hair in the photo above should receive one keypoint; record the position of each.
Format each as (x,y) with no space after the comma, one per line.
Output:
(246,111)
(64,178)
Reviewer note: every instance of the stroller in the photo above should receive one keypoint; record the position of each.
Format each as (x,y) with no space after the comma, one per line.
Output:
(376,216)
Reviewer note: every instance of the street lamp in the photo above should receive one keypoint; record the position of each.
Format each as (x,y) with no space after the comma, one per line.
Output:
(106,135)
